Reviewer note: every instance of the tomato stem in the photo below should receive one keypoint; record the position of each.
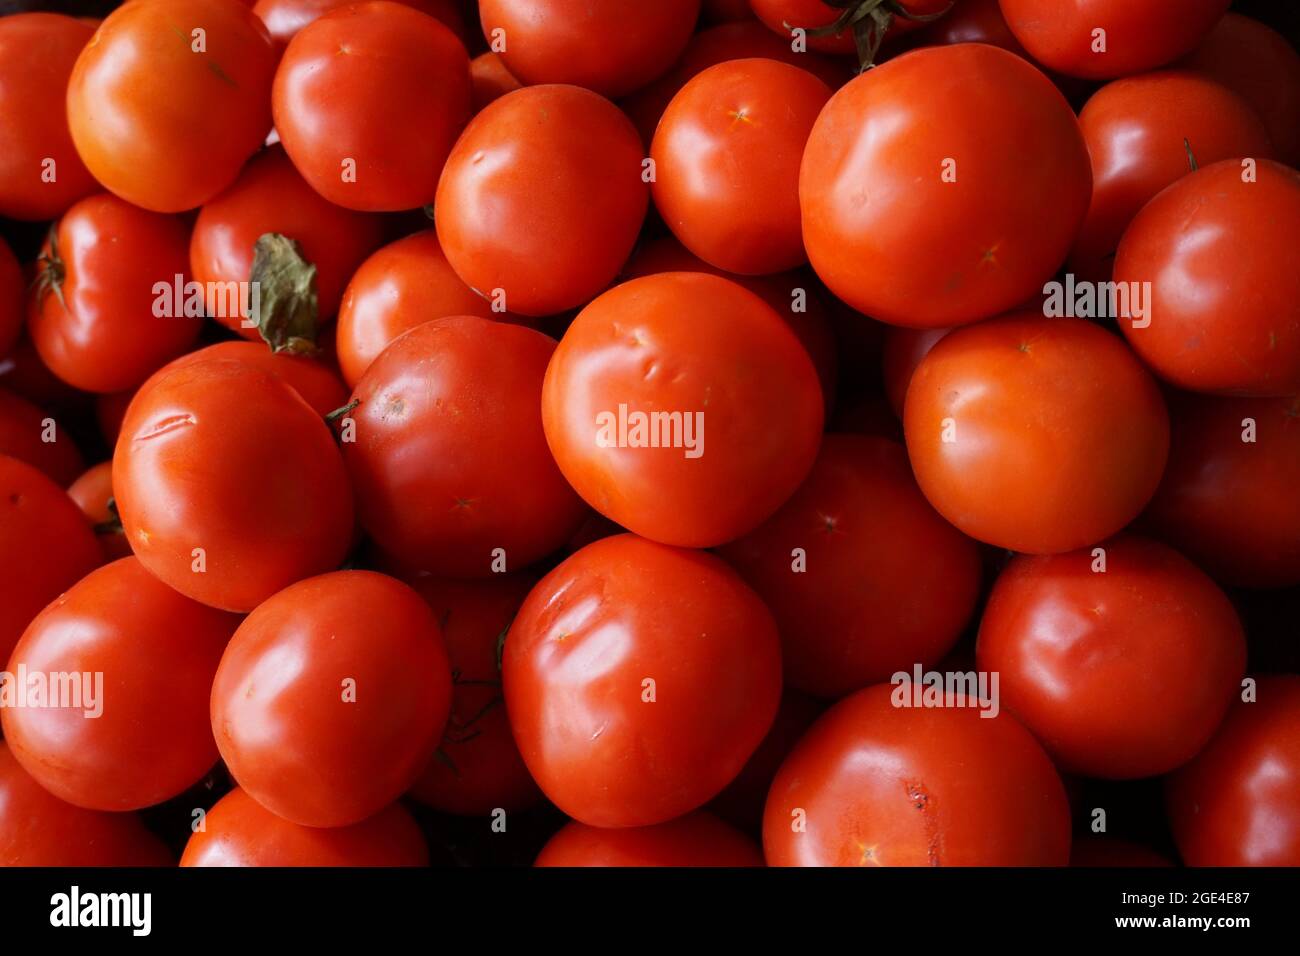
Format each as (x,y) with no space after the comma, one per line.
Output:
(870,21)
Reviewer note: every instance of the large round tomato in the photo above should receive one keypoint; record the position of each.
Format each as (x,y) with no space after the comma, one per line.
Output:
(915,213)
(331,697)
(284,18)
(697,839)
(1100,39)
(29,434)
(1238,802)
(107,311)
(1035,434)
(1217,249)
(449,462)
(368,100)
(170,98)
(610,46)
(131,728)
(1121,659)
(727,157)
(874,784)
(542,198)
(683,408)
(639,678)
(239,831)
(41,174)
(863,577)
(93,492)
(229,485)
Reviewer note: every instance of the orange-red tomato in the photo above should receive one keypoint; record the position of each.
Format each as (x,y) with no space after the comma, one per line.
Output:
(30,435)
(92,492)
(697,839)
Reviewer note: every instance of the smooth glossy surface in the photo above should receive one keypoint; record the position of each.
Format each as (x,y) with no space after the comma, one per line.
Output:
(697,839)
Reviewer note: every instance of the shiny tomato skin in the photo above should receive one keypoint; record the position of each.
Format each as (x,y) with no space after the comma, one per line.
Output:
(1035,434)
(1225,280)
(450,461)
(37,51)
(697,839)
(24,429)
(222,456)
(11,300)
(491,79)
(1138,36)
(880,785)
(100,331)
(639,679)
(914,213)
(238,831)
(726,156)
(92,492)
(560,170)
(1121,673)
(346,730)
(609,46)
(152,740)
(368,100)
(160,125)
(707,348)
(886,582)
(284,18)
(39,829)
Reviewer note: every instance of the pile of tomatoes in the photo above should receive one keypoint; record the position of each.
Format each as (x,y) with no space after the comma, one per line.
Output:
(579,432)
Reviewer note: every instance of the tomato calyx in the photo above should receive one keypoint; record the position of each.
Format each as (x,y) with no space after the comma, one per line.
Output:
(870,21)
(285,281)
(50,269)
(113,523)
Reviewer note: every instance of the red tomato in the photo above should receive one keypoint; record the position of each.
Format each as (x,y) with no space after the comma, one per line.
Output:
(1238,802)
(11,297)
(697,839)
(542,198)
(170,99)
(107,314)
(38,829)
(1035,434)
(1225,280)
(229,485)
(1136,130)
(146,654)
(1101,39)
(914,211)
(368,100)
(331,697)
(490,79)
(610,46)
(876,16)
(727,157)
(639,678)
(270,197)
(1104,851)
(450,464)
(880,581)
(903,352)
(873,784)
(477,768)
(284,18)
(92,492)
(28,434)
(745,394)
(1121,659)
(41,174)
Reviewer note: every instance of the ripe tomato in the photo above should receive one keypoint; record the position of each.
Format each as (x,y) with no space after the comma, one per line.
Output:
(38,829)
(1238,802)
(284,18)
(1121,669)
(748,407)
(903,351)
(1136,129)
(697,839)
(914,212)
(239,831)
(92,492)
(1225,280)
(639,678)
(331,697)
(41,174)
(148,655)
(610,46)
(477,768)
(872,784)
(270,197)
(1226,497)
(229,485)
(30,435)
(490,79)
(880,583)
(785,16)
(1105,851)
(727,157)
(11,298)
(450,463)
(368,100)
(542,198)
(1101,39)
(170,98)
(1035,434)
(97,321)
